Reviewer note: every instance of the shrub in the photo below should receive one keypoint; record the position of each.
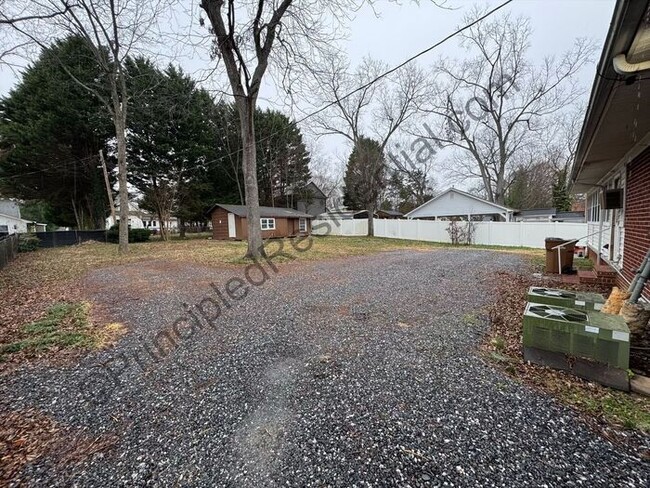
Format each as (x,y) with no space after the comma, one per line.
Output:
(28,243)
(461,233)
(139,235)
(135,235)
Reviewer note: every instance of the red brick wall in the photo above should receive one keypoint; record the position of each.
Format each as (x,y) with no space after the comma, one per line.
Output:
(637,216)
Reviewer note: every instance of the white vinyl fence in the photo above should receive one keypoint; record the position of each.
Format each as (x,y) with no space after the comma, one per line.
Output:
(512,234)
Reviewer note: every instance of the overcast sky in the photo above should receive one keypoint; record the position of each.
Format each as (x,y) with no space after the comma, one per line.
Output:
(403,30)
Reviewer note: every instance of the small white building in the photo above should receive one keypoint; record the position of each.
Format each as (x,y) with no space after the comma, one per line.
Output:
(453,203)
(141,219)
(11,221)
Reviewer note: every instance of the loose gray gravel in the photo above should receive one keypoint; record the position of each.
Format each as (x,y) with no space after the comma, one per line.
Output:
(356,372)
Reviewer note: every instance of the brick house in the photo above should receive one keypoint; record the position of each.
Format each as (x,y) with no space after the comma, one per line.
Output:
(230,222)
(612,165)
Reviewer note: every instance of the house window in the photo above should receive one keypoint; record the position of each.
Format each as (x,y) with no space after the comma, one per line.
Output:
(267,224)
(593,207)
(302,224)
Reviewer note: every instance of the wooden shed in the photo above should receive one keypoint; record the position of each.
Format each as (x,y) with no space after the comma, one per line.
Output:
(229,222)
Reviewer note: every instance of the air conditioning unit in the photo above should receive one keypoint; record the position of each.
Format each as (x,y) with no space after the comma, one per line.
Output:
(590,344)
(613,199)
(564,298)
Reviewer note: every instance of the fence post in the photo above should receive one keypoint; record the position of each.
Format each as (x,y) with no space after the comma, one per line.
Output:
(8,249)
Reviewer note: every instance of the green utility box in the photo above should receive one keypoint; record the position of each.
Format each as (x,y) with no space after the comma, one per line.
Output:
(564,298)
(590,344)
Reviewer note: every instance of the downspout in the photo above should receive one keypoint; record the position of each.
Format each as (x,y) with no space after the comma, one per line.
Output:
(622,67)
(601,219)
(640,279)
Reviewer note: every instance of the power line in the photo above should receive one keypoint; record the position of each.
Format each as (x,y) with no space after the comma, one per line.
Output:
(379,77)
(360,88)
(59,164)
(412,58)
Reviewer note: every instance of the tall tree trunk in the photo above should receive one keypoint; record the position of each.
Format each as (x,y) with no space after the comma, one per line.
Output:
(371,220)
(120,134)
(246,109)
(181,228)
(76,214)
(162,222)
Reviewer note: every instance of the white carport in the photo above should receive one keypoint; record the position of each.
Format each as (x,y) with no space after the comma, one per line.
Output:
(456,203)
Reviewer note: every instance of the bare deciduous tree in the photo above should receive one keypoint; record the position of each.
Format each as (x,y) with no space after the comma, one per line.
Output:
(250,38)
(113,30)
(16,14)
(328,176)
(366,104)
(492,106)
(541,178)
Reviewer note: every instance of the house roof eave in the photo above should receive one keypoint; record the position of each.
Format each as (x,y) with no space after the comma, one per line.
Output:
(460,192)
(606,86)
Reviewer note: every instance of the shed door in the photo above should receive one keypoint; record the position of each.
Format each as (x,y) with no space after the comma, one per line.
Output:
(232,231)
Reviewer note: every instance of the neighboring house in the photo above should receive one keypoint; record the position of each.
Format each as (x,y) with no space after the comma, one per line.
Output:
(577,217)
(230,222)
(340,213)
(10,208)
(379,214)
(12,223)
(142,219)
(310,200)
(612,164)
(548,215)
(453,203)
(535,215)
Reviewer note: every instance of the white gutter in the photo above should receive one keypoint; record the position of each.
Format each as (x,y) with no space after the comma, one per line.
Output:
(622,67)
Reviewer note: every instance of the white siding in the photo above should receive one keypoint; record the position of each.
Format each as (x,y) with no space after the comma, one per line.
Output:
(454,203)
(593,223)
(14,225)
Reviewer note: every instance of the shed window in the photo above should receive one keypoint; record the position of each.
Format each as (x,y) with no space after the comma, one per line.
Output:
(267,224)
(302,224)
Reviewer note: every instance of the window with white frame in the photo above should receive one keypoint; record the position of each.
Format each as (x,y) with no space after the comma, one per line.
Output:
(302,224)
(267,224)
(594,207)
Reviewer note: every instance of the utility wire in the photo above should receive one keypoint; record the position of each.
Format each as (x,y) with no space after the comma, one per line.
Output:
(371,82)
(360,88)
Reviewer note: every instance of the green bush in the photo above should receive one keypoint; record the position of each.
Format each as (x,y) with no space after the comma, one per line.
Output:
(135,235)
(28,242)
(139,235)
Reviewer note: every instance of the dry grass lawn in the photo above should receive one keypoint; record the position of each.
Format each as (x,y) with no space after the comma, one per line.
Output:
(35,282)
(67,263)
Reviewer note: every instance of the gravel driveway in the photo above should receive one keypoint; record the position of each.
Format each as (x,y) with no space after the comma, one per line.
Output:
(353,372)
